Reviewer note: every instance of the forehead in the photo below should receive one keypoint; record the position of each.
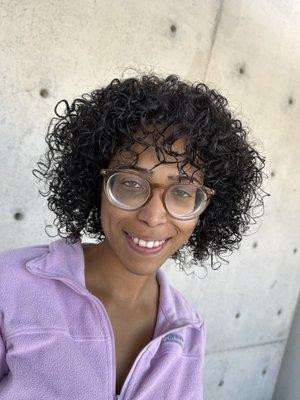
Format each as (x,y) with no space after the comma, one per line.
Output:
(150,154)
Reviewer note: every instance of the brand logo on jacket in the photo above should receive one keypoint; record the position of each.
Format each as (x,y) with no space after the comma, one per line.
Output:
(173,337)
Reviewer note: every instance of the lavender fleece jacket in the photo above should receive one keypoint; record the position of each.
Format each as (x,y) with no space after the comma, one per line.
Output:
(56,339)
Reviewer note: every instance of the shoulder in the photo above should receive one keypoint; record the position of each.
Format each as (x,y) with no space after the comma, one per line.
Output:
(13,265)
(183,308)
(12,258)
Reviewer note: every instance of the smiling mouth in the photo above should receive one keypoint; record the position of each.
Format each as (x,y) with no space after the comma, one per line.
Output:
(146,242)
(143,246)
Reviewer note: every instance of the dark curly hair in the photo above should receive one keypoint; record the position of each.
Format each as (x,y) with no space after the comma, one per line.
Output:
(84,137)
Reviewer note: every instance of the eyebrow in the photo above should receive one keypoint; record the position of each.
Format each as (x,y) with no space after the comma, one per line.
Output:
(171,177)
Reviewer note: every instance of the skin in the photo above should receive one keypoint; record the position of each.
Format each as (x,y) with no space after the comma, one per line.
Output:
(124,279)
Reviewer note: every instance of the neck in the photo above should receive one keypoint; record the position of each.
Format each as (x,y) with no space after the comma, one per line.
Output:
(106,276)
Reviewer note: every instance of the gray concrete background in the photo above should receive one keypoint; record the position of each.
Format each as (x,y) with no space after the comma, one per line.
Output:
(250,52)
(288,382)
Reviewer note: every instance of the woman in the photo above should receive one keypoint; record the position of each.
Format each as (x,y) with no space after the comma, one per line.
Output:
(151,168)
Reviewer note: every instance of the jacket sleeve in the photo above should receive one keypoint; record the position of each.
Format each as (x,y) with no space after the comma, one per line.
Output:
(202,360)
(3,364)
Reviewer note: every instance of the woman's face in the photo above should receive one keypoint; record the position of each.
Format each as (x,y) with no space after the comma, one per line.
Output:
(149,223)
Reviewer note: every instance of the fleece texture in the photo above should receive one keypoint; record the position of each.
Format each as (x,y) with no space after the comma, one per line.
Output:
(57,342)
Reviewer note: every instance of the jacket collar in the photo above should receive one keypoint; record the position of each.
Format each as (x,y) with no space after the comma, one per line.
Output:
(65,261)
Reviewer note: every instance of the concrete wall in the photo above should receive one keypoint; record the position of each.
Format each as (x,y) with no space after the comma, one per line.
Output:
(250,52)
(288,382)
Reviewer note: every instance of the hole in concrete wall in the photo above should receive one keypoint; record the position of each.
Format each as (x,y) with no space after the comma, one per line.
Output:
(272,173)
(242,69)
(173,28)
(18,216)
(295,250)
(221,383)
(264,371)
(44,93)
(279,311)
(254,245)
(237,315)
(291,100)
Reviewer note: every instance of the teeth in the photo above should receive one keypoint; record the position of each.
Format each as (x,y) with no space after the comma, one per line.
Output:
(149,245)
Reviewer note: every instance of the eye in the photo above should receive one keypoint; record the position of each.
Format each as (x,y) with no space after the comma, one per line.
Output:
(181,193)
(131,183)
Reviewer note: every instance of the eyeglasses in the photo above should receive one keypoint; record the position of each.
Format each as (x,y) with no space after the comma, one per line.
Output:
(129,190)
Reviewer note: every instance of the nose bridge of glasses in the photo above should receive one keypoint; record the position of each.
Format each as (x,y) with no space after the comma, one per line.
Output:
(157,191)
(154,185)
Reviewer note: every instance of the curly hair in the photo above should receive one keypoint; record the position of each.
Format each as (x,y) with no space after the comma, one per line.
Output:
(84,137)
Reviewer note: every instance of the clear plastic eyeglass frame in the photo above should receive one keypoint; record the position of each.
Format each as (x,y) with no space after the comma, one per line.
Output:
(209,193)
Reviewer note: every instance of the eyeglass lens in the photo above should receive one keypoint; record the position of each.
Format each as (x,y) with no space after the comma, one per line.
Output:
(130,191)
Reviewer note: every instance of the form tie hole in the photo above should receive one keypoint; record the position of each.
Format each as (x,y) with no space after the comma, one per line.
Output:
(44,93)
(279,312)
(295,250)
(237,315)
(173,28)
(221,383)
(18,216)
(264,371)
(272,173)
(291,101)
(242,70)
(254,245)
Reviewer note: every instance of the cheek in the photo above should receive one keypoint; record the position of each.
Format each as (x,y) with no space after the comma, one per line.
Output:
(187,228)
(107,209)
(111,217)
(107,214)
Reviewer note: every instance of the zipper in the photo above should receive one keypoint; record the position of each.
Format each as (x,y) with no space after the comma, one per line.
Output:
(112,341)
(139,356)
(136,361)
(79,289)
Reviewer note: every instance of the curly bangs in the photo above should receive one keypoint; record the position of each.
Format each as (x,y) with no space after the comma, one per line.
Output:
(84,137)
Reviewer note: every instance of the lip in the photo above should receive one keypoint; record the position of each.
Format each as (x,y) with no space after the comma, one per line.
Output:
(144,250)
(146,238)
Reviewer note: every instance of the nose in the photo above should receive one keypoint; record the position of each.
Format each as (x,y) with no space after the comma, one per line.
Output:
(153,213)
